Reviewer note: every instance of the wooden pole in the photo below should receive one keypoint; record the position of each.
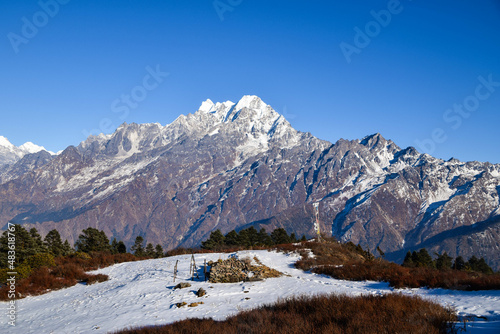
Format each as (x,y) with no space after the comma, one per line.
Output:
(175,269)
(193,266)
(205,270)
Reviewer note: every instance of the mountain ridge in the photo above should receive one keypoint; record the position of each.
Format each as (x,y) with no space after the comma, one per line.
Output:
(230,165)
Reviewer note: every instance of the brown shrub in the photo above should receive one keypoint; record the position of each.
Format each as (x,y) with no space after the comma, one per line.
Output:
(98,278)
(326,314)
(350,262)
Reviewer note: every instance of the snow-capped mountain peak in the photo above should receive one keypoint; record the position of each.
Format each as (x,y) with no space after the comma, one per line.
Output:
(207,106)
(29,147)
(9,153)
(4,142)
(251,102)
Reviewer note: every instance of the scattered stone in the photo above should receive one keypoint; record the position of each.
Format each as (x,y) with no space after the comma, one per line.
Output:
(246,291)
(182,286)
(181,304)
(195,304)
(201,292)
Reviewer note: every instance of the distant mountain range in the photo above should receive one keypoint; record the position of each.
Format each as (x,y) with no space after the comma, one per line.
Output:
(234,165)
(10,153)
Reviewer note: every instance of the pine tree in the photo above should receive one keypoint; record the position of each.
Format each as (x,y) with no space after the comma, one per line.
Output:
(114,246)
(459,263)
(422,258)
(25,246)
(54,243)
(37,240)
(92,240)
(121,248)
(253,236)
(243,238)
(158,251)
(280,236)
(483,267)
(443,261)
(138,248)
(67,249)
(150,250)
(408,261)
(215,241)
(264,238)
(231,239)
(479,265)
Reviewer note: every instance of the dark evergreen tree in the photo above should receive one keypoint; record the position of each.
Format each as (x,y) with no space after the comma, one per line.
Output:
(483,267)
(280,236)
(422,258)
(138,248)
(121,248)
(54,243)
(303,239)
(253,236)
(244,238)
(443,261)
(114,246)
(150,250)
(479,265)
(264,238)
(459,263)
(37,241)
(215,241)
(158,251)
(25,246)
(408,261)
(67,248)
(231,239)
(92,240)
(293,238)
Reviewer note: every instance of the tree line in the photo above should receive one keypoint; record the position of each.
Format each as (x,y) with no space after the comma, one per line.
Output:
(248,237)
(29,243)
(422,258)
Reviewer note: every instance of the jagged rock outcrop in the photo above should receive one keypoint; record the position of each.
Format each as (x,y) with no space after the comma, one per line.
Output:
(232,165)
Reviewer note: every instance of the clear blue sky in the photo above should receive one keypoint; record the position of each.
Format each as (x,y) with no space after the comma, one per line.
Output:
(64,78)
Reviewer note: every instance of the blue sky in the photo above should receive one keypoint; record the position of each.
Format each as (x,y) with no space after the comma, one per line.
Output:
(409,77)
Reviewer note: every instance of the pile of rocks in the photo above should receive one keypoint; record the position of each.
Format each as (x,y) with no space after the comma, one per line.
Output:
(235,270)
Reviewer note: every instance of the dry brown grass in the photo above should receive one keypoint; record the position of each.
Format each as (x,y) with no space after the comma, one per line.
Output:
(392,313)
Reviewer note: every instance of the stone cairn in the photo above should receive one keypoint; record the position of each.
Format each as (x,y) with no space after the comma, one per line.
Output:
(235,270)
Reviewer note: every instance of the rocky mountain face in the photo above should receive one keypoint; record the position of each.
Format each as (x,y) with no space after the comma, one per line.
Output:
(233,165)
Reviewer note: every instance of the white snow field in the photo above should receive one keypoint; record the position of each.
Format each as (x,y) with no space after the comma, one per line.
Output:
(141,294)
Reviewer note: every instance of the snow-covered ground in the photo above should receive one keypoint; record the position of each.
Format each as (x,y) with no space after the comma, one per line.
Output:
(141,293)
